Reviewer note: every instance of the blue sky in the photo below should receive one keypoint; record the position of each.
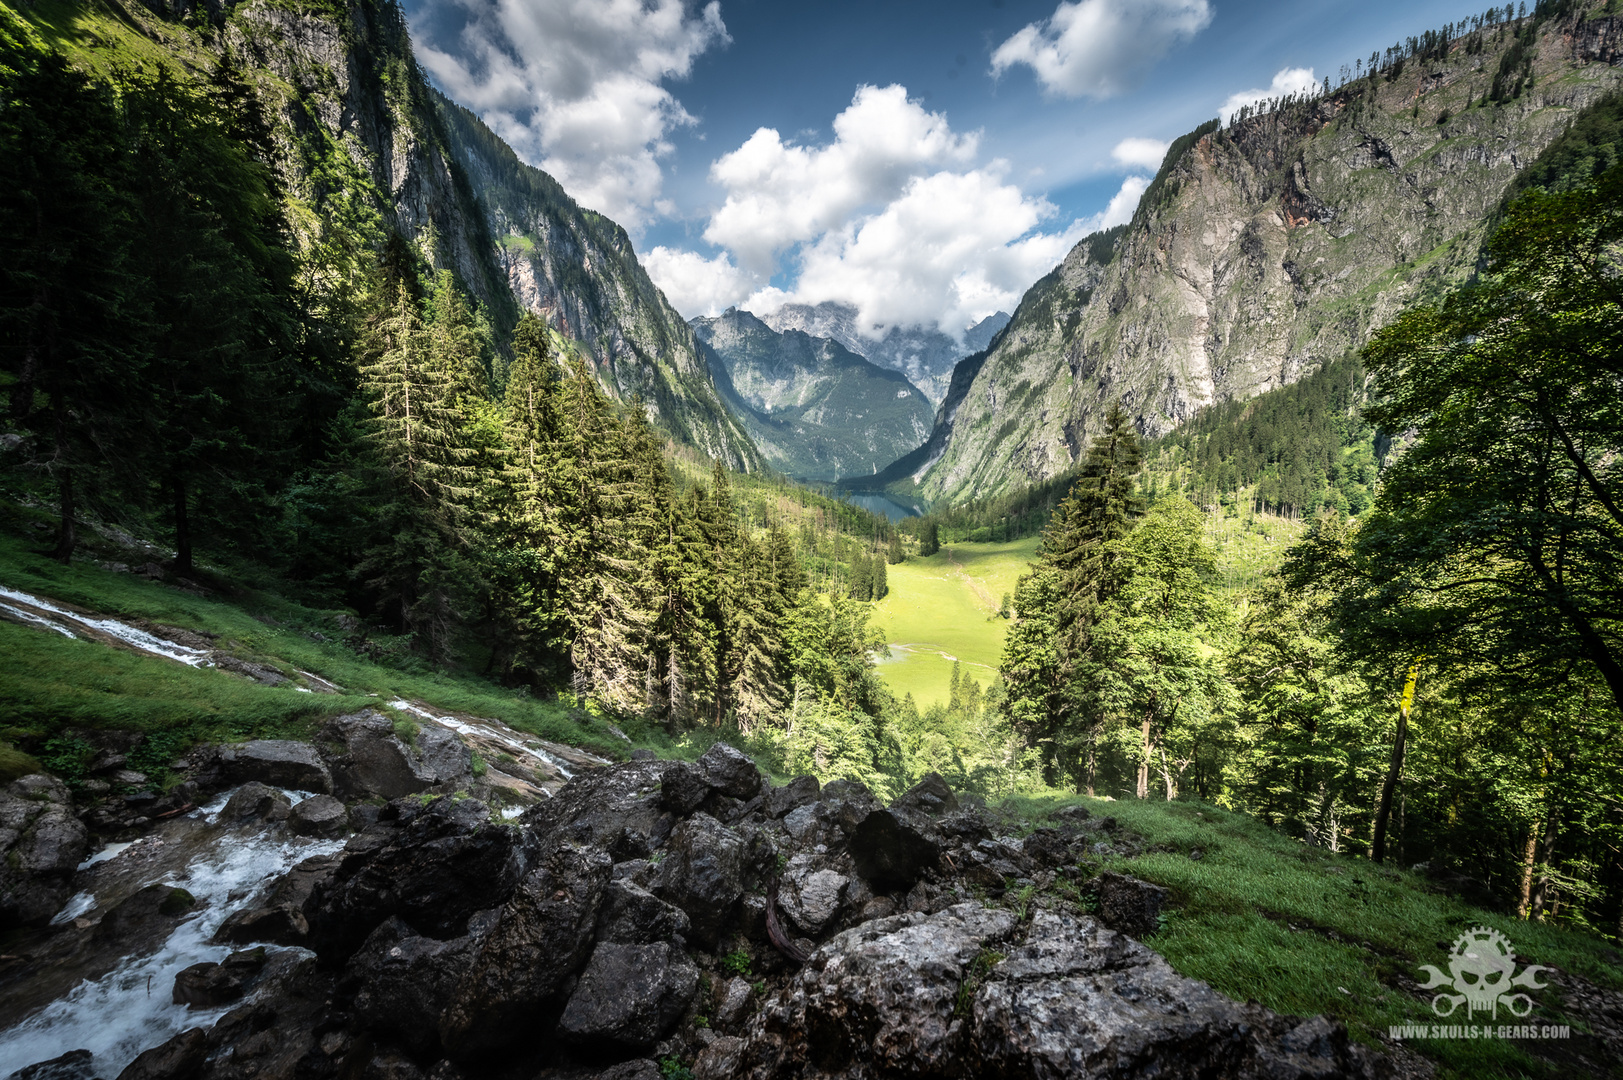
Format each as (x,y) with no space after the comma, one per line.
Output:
(924,161)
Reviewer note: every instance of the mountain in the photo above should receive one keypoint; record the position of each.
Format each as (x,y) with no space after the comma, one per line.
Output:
(925,356)
(816,409)
(1268,248)
(367,148)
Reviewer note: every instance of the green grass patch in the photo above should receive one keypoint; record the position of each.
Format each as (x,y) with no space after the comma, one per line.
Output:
(1260,916)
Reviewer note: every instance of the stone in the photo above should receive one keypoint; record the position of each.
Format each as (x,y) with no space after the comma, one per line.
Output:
(319,815)
(1072,814)
(141,922)
(633,916)
(801,791)
(811,898)
(930,795)
(892,848)
(542,937)
(684,789)
(254,801)
(635,1069)
(41,844)
(630,995)
(405,983)
(802,822)
(209,985)
(181,1058)
(1128,904)
(128,777)
(73,1065)
(730,771)
(280,918)
(278,762)
(846,802)
(618,809)
(1047,848)
(703,875)
(734,1003)
(370,759)
(720,1060)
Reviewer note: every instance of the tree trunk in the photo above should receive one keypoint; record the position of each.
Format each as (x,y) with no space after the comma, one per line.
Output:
(1166,774)
(1093,758)
(66,539)
(1529,860)
(1540,895)
(183,527)
(1394,769)
(1144,760)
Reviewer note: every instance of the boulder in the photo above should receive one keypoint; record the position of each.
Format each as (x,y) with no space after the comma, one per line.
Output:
(734,1002)
(319,815)
(405,983)
(143,921)
(277,762)
(370,759)
(280,919)
(630,995)
(720,1060)
(811,898)
(684,789)
(892,848)
(254,801)
(845,803)
(801,791)
(542,936)
(432,866)
(930,796)
(633,916)
(703,874)
(209,985)
(730,771)
(618,809)
(1047,848)
(1128,904)
(635,1069)
(41,844)
(73,1065)
(181,1058)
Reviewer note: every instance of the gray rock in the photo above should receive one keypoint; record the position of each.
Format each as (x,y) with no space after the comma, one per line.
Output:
(618,809)
(633,916)
(280,919)
(802,822)
(254,801)
(406,981)
(845,803)
(801,791)
(930,795)
(181,1058)
(703,875)
(371,760)
(734,1003)
(635,1069)
(41,844)
(811,898)
(542,936)
(721,1060)
(73,1065)
(210,985)
(630,995)
(128,776)
(892,847)
(319,815)
(278,762)
(140,922)
(684,788)
(1128,904)
(730,771)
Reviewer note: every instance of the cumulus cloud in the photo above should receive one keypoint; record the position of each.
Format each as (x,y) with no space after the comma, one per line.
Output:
(1140,153)
(1121,206)
(574,86)
(1287,81)
(894,216)
(1100,48)
(695,285)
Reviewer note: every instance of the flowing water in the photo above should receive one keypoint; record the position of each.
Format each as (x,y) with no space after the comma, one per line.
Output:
(43,613)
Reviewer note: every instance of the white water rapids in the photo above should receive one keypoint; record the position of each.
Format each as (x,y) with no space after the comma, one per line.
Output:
(45,614)
(130,1010)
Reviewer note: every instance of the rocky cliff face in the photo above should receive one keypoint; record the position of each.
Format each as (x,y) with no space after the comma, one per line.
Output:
(925,356)
(1265,250)
(368,148)
(817,410)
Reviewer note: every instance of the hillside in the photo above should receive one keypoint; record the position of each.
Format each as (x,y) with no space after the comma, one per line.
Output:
(1269,247)
(817,410)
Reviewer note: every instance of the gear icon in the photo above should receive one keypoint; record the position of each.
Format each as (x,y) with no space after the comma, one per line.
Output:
(1482,964)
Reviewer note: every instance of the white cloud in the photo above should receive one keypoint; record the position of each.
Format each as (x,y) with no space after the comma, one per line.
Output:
(695,285)
(575,86)
(1100,48)
(1121,207)
(1141,153)
(781,194)
(1287,81)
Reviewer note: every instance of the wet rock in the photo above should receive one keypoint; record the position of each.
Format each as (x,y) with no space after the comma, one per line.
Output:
(617,809)
(1128,904)
(432,866)
(370,759)
(801,791)
(141,922)
(209,985)
(277,762)
(41,844)
(893,847)
(684,789)
(703,875)
(630,995)
(277,1031)
(632,916)
(280,919)
(811,898)
(181,1058)
(930,796)
(254,801)
(730,771)
(405,983)
(542,936)
(73,1065)
(319,815)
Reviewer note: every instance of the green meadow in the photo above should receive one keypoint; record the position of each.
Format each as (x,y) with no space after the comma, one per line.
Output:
(944,608)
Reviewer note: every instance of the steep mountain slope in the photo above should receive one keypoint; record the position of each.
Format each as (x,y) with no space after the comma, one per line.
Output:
(366,149)
(817,410)
(925,356)
(1268,248)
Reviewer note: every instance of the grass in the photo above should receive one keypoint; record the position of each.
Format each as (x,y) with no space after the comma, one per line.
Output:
(1260,916)
(944,607)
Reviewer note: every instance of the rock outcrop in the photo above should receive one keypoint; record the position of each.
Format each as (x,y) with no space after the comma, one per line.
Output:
(41,843)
